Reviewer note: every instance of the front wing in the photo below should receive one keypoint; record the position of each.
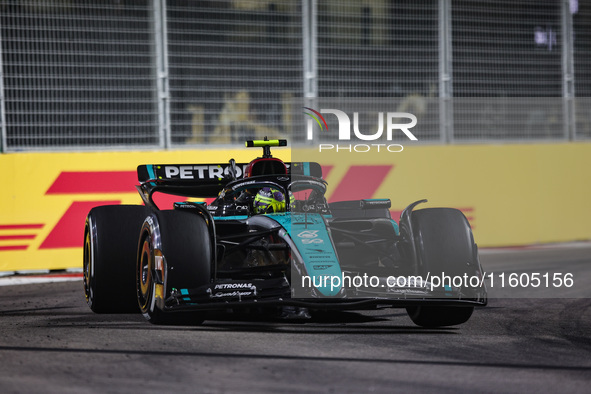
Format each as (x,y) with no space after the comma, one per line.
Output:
(278,292)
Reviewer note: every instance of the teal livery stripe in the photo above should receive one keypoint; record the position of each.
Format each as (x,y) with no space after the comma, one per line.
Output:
(396,228)
(151,174)
(311,238)
(306,168)
(223,218)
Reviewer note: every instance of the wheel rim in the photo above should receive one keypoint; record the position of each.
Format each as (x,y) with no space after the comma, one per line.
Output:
(144,276)
(87,267)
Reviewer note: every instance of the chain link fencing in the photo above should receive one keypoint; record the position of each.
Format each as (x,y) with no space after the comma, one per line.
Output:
(128,74)
(77,74)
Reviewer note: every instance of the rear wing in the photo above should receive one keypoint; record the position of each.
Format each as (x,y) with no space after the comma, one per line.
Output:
(211,173)
(203,180)
(187,173)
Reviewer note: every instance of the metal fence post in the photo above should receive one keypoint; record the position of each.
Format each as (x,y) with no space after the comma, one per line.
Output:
(445,73)
(309,43)
(2,107)
(309,55)
(568,73)
(161,48)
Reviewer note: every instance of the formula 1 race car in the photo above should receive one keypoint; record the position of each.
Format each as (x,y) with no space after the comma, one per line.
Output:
(269,241)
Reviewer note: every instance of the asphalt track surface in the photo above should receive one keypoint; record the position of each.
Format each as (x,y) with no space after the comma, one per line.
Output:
(51,342)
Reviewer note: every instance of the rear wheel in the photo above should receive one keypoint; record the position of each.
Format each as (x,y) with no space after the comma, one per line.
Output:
(182,239)
(444,247)
(110,248)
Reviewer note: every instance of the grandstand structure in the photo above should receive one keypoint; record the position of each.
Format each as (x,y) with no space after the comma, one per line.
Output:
(166,74)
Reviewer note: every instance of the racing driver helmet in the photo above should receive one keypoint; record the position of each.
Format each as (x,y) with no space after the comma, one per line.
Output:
(269,200)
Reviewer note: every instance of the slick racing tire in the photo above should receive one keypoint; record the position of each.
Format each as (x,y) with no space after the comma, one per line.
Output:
(444,242)
(444,247)
(439,316)
(110,250)
(182,238)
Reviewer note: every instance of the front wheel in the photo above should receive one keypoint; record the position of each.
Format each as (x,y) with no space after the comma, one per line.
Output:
(439,316)
(445,247)
(174,252)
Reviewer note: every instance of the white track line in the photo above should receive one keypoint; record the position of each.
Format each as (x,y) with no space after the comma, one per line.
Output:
(27,280)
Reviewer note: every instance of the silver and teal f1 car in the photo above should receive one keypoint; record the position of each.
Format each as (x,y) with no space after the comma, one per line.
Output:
(177,265)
